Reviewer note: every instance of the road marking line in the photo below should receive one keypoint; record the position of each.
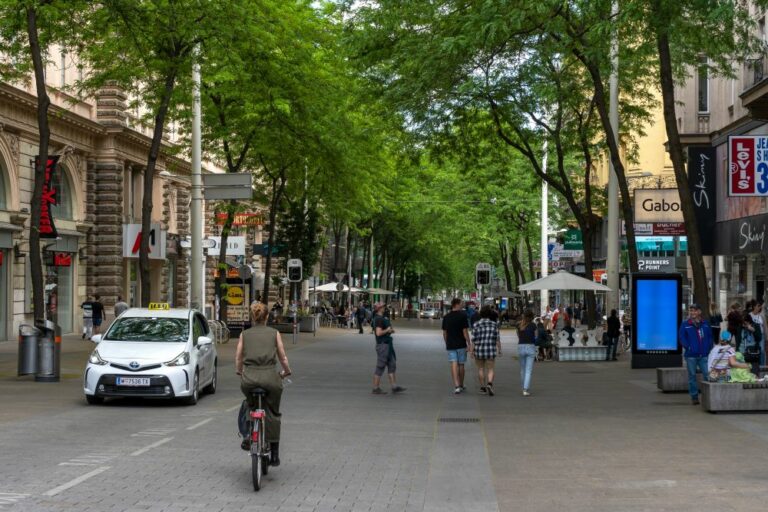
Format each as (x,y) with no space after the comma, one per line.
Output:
(76,481)
(153,445)
(200,424)
(77,464)
(232,408)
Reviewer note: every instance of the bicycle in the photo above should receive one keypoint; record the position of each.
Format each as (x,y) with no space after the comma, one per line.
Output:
(625,343)
(257,433)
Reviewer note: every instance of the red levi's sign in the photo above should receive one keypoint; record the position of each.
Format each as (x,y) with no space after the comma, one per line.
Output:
(62,259)
(49,198)
(748,165)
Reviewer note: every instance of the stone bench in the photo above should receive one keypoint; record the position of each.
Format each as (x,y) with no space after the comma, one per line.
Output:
(575,353)
(674,380)
(721,397)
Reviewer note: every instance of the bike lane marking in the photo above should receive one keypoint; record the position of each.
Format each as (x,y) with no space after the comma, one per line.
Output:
(199,424)
(150,447)
(11,498)
(75,481)
(233,408)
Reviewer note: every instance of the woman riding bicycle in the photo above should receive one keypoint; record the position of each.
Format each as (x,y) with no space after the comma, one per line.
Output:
(258,350)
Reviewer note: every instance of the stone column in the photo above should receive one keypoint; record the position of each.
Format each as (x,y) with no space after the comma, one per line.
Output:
(105,241)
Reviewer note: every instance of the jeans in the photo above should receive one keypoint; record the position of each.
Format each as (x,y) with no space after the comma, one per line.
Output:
(693,363)
(610,352)
(527,354)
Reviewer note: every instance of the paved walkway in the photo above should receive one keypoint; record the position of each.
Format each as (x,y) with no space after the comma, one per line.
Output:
(593,437)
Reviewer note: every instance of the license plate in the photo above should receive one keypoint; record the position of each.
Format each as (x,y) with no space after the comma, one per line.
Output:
(133,381)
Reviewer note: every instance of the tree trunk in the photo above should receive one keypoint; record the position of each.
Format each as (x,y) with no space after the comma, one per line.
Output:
(278,185)
(529,250)
(149,175)
(504,253)
(336,251)
(43,103)
(696,258)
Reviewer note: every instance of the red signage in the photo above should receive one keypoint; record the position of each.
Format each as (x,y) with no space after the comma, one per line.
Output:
(748,165)
(597,275)
(1,258)
(47,228)
(241,219)
(62,259)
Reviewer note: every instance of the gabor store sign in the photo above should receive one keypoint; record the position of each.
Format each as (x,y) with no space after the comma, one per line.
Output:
(748,165)
(658,205)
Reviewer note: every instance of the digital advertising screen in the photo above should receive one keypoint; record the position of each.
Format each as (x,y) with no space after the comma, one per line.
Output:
(656,313)
(504,303)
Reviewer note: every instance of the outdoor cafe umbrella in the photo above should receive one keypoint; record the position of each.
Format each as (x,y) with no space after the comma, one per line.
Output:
(332,287)
(378,291)
(563,280)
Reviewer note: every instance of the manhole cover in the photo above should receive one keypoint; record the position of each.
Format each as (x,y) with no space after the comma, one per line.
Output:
(459,420)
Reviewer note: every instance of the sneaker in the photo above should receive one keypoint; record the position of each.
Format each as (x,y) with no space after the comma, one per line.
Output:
(526,393)
(457,390)
(695,401)
(378,391)
(463,388)
(398,389)
(490,390)
(483,390)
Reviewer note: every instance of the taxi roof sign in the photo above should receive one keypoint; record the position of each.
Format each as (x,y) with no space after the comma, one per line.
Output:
(162,306)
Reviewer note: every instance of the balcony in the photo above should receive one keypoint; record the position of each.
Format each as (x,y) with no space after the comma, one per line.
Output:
(755,95)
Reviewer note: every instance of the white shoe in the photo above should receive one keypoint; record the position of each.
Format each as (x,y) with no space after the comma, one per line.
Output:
(526,393)
(457,391)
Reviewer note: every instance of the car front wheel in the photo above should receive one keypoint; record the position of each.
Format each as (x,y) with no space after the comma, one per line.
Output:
(192,399)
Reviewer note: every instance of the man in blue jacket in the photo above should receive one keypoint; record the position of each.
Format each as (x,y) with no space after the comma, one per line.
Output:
(695,336)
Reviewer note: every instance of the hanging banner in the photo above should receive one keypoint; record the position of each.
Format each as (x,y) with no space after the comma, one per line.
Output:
(748,165)
(49,197)
(701,177)
(241,219)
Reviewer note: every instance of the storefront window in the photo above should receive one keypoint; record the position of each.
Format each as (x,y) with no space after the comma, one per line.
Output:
(59,281)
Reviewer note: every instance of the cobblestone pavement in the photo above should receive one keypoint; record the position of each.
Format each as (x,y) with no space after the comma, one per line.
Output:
(594,436)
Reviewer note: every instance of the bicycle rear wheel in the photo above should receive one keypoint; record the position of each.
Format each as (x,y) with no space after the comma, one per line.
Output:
(256,471)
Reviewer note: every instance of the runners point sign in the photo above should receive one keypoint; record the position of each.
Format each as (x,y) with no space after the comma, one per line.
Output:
(748,165)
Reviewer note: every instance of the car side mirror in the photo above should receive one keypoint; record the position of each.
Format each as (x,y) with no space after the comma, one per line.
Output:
(96,338)
(204,340)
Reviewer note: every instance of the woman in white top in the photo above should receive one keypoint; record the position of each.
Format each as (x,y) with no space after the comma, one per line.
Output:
(722,358)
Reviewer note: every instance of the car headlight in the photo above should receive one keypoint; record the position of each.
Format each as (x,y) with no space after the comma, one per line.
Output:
(180,360)
(96,358)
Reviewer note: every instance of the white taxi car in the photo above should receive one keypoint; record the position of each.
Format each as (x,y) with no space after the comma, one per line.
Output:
(154,352)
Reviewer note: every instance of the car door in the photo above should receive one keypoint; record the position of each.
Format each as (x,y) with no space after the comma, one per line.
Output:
(204,352)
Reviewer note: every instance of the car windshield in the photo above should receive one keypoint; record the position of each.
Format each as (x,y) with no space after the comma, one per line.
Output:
(149,329)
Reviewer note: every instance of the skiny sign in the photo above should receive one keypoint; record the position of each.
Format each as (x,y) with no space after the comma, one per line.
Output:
(748,165)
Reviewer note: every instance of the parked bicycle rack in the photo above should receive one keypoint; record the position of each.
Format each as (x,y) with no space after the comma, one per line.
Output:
(220,331)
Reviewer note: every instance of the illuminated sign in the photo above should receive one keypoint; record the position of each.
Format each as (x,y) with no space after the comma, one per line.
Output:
(748,165)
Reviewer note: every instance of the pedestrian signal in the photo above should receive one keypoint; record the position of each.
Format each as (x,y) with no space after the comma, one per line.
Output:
(294,270)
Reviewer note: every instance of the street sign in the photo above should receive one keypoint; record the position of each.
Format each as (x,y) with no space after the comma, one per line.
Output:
(235,246)
(235,185)
(339,287)
(483,274)
(208,243)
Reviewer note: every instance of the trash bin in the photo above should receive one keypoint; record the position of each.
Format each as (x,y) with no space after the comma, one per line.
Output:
(28,335)
(49,353)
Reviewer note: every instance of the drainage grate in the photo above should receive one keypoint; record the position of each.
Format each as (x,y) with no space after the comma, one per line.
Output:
(459,420)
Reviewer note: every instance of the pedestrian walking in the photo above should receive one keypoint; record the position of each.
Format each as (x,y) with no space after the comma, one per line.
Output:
(360,314)
(487,346)
(120,306)
(385,352)
(87,307)
(614,330)
(734,320)
(577,312)
(695,337)
(457,343)
(715,319)
(98,314)
(526,349)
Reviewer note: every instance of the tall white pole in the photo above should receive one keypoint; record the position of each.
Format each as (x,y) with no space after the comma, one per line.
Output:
(612,259)
(196,210)
(544,229)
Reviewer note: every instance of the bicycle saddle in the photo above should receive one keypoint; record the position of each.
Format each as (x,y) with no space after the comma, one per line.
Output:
(259,392)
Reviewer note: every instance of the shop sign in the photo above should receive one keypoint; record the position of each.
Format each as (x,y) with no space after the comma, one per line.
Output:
(235,246)
(553,264)
(573,240)
(560,252)
(241,219)
(656,265)
(597,275)
(1,258)
(49,197)
(701,177)
(658,205)
(62,259)
(748,165)
(657,229)
(132,241)
(742,236)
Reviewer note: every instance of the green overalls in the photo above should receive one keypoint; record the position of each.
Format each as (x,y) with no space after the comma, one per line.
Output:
(259,371)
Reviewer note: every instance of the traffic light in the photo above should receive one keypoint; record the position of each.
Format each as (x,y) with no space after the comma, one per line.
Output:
(294,271)
(483,274)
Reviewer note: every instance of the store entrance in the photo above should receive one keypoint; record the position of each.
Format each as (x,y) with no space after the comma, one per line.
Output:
(59,289)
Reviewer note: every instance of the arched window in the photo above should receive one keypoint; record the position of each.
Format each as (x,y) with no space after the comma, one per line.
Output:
(3,189)
(64,209)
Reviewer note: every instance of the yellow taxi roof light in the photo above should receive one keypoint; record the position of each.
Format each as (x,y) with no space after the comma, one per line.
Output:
(164,306)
